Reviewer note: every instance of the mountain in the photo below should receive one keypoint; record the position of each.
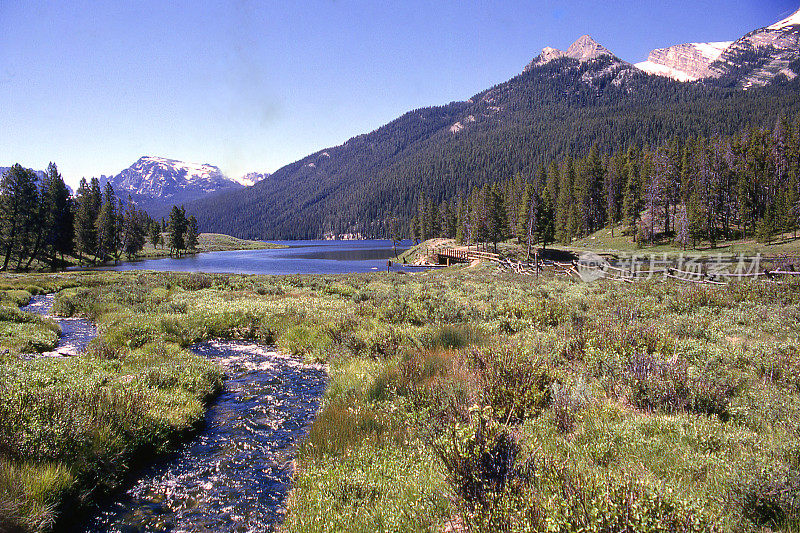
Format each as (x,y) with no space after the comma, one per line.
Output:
(584,49)
(158,183)
(561,104)
(762,55)
(755,59)
(251,178)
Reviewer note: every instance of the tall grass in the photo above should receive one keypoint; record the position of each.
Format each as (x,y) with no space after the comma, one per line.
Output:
(458,397)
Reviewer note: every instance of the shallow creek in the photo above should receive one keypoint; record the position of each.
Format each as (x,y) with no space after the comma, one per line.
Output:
(235,474)
(75,332)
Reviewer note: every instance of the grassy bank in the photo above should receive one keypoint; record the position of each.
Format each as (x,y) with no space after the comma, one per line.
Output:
(460,397)
(206,242)
(209,242)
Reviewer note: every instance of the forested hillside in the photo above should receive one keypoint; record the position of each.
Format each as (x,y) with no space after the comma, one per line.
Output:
(547,113)
(701,190)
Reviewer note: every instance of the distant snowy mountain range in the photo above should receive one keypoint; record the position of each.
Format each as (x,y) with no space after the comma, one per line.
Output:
(158,177)
(157,183)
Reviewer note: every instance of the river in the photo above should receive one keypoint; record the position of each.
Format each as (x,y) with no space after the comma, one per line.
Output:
(235,474)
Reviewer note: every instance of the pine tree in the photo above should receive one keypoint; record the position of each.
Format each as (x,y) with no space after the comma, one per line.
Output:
(613,187)
(41,227)
(683,230)
(191,234)
(133,230)
(591,192)
(155,234)
(524,217)
(19,203)
(496,219)
(177,230)
(58,236)
(546,227)
(85,234)
(461,221)
(527,218)
(565,213)
(423,232)
(696,216)
(766,227)
(451,214)
(106,226)
(632,199)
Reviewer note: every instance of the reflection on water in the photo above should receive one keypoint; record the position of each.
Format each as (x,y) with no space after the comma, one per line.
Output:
(75,332)
(234,476)
(301,257)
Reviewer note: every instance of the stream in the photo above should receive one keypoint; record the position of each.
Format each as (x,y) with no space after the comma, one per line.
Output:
(75,332)
(235,474)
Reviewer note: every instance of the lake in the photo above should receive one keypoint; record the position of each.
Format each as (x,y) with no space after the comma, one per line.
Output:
(301,257)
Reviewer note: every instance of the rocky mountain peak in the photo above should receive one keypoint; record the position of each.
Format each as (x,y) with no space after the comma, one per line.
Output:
(159,177)
(762,55)
(583,49)
(586,48)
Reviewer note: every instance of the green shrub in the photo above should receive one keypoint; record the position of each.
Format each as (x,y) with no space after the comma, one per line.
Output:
(195,281)
(98,348)
(479,458)
(385,385)
(339,427)
(454,337)
(655,384)
(515,385)
(303,340)
(78,301)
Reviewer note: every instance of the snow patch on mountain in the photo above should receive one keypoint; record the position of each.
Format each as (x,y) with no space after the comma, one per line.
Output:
(663,70)
(251,178)
(455,128)
(712,51)
(162,178)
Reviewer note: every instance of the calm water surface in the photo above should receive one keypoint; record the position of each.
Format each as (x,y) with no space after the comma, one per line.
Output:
(302,257)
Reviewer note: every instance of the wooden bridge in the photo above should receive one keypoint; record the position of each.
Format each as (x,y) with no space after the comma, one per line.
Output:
(448,256)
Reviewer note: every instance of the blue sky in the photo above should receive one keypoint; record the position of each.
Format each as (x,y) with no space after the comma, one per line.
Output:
(251,86)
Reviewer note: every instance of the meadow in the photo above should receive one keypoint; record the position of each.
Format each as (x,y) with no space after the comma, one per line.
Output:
(460,399)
